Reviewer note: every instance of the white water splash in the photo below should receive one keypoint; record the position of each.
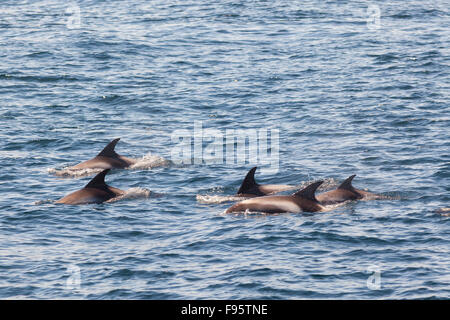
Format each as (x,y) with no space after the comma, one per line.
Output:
(248,213)
(331,207)
(216,199)
(132,193)
(328,183)
(377,196)
(73,173)
(150,161)
(41,202)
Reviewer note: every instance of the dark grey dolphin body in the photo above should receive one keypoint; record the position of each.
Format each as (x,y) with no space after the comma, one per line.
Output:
(301,201)
(345,192)
(96,191)
(249,188)
(106,159)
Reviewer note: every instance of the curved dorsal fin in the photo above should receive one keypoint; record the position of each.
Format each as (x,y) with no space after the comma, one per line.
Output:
(347,184)
(249,184)
(108,151)
(308,192)
(98,181)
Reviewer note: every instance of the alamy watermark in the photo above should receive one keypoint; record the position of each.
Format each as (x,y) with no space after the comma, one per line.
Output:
(74,17)
(374,280)
(230,146)
(373,17)
(73,282)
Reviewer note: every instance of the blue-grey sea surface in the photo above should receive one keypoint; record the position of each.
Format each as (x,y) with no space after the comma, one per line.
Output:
(342,87)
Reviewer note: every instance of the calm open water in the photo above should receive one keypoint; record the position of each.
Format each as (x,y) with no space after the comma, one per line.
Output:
(351,87)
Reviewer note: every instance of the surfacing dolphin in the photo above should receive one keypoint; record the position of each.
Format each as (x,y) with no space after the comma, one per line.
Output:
(301,201)
(249,188)
(96,191)
(106,159)
(346,192)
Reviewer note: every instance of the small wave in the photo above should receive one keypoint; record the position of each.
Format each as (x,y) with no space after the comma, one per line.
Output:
(41,202)
(13,154)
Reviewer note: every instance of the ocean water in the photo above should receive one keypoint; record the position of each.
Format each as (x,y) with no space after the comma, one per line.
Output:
(340,87)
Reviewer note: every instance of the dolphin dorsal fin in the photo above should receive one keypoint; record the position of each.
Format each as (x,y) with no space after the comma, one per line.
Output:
(347,184)
(249,184)
(98,181)
(309,191)
(108,151)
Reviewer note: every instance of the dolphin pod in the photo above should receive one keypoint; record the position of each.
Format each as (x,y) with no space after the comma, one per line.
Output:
(301,201)
(96,191)
(262,198)
(106,159)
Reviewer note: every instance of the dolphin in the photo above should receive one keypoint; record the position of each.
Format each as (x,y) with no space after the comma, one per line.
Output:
(249,188)
(345,192)
(303,200)
(106,159)
(96,191)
